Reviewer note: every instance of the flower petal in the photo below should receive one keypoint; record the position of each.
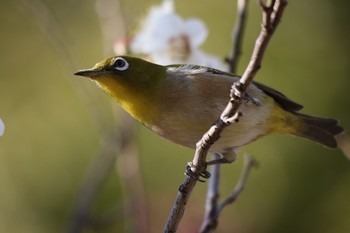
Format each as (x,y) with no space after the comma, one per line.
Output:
(147,40)
(196,30)
(2,127)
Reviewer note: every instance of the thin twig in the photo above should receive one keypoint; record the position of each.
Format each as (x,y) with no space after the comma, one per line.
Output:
(211,221)
(228,116)
(114,24)
(59,40)
(249,163)
(237,34)
(114,142)
(212,200)
(211,207)
(118,144)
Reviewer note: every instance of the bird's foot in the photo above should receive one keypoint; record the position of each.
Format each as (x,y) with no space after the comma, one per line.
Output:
(189,172)
(228,156)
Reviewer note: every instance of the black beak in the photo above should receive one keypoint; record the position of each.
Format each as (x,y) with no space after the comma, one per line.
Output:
(89,73)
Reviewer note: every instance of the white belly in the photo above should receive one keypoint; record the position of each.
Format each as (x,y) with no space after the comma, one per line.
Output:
(192,103)
(187,129)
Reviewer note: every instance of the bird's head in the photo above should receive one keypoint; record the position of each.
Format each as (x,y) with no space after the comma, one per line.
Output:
(134,83)
(127,72)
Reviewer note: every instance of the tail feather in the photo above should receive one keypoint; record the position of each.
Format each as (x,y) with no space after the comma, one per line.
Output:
(343,141)
(321,130)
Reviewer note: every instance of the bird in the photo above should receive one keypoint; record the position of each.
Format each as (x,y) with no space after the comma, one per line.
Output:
(181,102)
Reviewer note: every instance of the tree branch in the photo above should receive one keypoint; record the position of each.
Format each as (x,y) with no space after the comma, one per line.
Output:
(211,220)
(237,34)
(249,163)
(212,200)
(118,148)
(230,113)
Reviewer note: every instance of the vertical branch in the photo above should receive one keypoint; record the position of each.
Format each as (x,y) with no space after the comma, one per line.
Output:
(212,201)
(211,222)
(183,195)
(212,207)
(113,26)
(249,162)
(60,42)
(237,34)
(112,23)
(229,115)
(117,145)
(272,14)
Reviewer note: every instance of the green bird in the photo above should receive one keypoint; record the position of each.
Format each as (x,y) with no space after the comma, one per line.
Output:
(181,102)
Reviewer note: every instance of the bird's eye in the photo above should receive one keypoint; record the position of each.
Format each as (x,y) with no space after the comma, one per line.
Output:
(120,64)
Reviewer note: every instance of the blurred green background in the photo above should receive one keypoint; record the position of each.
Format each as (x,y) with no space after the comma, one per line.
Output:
(52,135)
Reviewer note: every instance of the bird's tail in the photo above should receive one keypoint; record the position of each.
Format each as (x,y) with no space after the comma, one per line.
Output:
(324,131)
(321,130)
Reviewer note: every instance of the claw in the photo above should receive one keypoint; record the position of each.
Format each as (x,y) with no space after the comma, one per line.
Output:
(205,174)
(193,175)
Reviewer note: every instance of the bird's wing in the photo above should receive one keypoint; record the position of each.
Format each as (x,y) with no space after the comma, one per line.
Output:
(282,100)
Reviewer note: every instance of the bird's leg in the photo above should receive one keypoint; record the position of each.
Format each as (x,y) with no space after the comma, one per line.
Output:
(227,157)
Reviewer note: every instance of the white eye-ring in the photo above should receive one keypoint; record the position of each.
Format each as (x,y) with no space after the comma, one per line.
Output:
(120,64)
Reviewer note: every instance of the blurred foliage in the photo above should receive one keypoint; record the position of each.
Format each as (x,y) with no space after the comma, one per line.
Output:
(52,137)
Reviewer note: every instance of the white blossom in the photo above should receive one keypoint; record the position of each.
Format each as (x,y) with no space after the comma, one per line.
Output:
(2,127)
(166,38)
